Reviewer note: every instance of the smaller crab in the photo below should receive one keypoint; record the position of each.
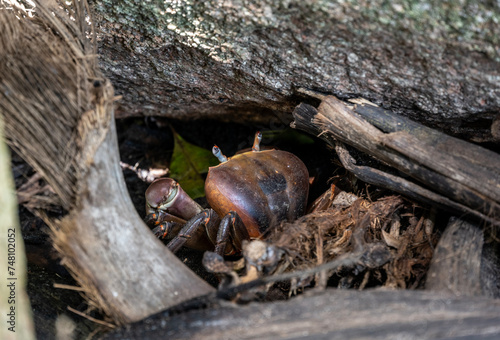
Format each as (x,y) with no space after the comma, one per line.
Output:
(249,193)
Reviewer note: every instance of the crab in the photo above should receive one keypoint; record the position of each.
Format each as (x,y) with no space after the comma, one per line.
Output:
(248,194)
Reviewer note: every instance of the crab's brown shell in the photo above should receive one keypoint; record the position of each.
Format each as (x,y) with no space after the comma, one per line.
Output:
(263,187)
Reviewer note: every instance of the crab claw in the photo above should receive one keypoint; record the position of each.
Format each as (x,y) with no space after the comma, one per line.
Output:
(163,230)
(152,219)
(166,195)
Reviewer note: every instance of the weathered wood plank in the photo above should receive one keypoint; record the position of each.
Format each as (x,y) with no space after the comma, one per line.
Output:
(332,314)
(389,122)
(439,158)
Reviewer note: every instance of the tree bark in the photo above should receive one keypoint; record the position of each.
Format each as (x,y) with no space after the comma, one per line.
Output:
(243,60)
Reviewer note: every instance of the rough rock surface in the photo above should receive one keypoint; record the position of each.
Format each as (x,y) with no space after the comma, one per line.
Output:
(240,60)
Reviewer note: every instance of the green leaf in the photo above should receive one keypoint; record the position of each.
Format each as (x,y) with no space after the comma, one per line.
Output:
(189,162)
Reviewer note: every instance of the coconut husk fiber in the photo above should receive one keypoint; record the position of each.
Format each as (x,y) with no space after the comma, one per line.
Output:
(58,113)
(45,88)
(396,240)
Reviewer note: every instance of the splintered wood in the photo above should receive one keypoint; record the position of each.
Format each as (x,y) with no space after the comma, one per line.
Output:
(439,169)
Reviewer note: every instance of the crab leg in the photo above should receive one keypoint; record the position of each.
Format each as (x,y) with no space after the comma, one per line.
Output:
(195,229)
(231,224)
(156,218)
(164,229)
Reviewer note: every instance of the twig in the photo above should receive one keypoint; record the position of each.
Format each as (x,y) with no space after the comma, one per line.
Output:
(69,287)
(100,322)
(347,260)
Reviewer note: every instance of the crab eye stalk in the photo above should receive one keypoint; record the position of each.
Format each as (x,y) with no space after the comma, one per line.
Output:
(256,141)
(166,195)
(218,153)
